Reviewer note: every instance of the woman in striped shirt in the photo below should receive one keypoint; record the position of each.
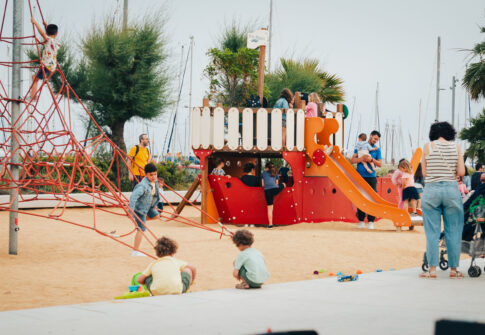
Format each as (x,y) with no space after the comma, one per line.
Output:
(442,162)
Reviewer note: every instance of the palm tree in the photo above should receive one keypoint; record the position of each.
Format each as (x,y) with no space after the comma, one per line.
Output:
(305,76)
(474,79)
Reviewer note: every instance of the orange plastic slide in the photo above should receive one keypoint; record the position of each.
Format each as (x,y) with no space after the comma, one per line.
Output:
(343,174)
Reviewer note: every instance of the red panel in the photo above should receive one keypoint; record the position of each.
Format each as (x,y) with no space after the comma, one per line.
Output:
(238,203)
(310,199)
(387,190)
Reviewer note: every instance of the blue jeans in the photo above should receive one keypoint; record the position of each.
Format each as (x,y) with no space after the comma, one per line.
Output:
(443,199)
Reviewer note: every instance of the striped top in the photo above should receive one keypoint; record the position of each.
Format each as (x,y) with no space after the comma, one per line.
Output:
(441,162)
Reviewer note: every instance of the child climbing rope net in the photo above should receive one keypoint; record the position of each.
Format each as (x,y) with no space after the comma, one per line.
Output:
(54,164)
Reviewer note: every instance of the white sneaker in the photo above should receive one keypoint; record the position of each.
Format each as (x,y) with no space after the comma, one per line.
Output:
(371,225)
(137,253)
(251,225)
(361,225)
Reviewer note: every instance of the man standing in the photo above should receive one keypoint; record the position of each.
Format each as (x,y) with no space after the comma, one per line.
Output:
(143,201)
(476,176)
(141,156)
(376,158)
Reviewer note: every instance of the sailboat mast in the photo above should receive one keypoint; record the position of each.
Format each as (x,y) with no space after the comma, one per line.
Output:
(438,81)
(419,122)
(189,117)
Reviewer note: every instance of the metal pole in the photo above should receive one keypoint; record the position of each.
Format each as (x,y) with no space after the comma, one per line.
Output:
(392,144)
(387,141)
(262,54)
(270,32)
(438,81)
(187,136)
(419,122)
(125,14)
(18,23)
(453,86)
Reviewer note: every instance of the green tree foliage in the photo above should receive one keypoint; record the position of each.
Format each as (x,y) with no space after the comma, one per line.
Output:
(119,73)
(304,76)
(475,135)
(233,68)
(474,79)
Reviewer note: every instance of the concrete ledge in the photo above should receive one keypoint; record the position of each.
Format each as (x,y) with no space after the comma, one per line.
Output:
(396,302)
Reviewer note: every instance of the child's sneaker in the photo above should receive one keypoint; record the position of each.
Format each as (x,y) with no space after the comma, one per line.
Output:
(137,253)
(329,150)
(361,225)
(371,225)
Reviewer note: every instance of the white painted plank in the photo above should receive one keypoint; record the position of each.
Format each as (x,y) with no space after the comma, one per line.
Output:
(218,132)
(247,129)
(205,128)
(300,130)
(195,128)
(233,128)
(262,129)
(290,129)
(276,129)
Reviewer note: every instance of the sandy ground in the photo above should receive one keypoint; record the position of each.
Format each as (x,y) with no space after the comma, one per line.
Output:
(59,264)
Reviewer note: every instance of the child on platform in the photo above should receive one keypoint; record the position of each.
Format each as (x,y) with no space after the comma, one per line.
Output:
(218,170)
(363,148)
(410,194)
(249,266)
(48,63)
(167,275)
(312,107)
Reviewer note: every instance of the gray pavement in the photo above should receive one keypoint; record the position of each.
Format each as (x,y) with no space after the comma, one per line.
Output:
(389,302)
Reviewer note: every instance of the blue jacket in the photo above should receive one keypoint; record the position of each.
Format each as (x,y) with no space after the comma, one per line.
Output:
(141,198)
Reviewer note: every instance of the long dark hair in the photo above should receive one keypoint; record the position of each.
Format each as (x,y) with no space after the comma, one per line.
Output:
(286,93)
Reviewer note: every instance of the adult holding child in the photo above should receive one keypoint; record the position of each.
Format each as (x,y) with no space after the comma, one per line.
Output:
(374,157)
(441,163)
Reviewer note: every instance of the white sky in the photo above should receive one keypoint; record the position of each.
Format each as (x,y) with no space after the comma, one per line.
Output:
(363,42)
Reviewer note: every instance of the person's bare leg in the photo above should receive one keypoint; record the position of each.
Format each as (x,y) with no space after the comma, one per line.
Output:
(283,137)
(405,205)
(138,237)
(413,205)
(270,215)
(366,166)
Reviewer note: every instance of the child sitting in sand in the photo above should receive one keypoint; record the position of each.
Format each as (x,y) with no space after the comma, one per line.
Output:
(48,62)
(312,107)
(410,194)
(167,275)
(363,148)
(249,266)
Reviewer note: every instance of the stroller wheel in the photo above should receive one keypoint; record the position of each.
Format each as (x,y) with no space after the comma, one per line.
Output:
(444,265)
(474,271)
(425,267)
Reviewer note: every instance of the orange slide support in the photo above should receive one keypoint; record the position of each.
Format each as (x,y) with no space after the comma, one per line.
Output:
(343,174)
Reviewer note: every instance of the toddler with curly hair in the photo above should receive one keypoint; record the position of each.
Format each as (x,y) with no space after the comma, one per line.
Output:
(249,266)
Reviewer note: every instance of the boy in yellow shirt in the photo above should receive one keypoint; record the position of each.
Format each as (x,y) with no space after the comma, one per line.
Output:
(141,157)
(167,275)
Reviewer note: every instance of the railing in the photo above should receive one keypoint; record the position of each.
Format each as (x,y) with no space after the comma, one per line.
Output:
(247,129)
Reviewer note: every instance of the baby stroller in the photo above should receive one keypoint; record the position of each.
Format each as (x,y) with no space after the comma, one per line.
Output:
(473,238)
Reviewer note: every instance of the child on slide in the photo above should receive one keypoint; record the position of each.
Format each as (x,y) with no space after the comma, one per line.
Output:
(249,266)
(167,275)
(363,148)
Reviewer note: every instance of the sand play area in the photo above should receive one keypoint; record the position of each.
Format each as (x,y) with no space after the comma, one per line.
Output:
(60,264)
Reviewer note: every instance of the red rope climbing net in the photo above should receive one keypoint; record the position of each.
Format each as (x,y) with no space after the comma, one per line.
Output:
(57,166)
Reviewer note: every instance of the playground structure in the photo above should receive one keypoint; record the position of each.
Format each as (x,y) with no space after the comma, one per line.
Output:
(323,188)
(41,161)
